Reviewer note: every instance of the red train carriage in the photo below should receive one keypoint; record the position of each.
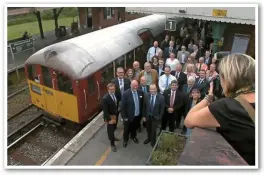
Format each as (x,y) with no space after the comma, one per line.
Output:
(68,79)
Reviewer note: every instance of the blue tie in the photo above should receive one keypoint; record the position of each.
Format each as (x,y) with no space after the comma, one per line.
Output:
(136,104)
(167,82)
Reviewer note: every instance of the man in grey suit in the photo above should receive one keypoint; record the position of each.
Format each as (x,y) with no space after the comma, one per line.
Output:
(154,105)
(183,55)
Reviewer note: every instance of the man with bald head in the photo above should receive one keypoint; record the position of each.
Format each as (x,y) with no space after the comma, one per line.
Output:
(151,75)
(131,110)
(153,51)
(136,70)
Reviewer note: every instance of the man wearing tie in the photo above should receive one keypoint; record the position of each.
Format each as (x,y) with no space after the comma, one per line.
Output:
(187,88)
(202,83)
(153,51)
(160,68)
(121,84)
(208,59)
(168,50)
(175,102)
(180,76)
(131,110)
(154,109)
(166,79)
(110,109)
(183,55)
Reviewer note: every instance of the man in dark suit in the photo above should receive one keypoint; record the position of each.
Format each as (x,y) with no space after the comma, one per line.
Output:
(168,50)
(154,109)
(180,76)
(187,88)
(202,83)
(110,109)
(145,89)
(160,68)
(121,84)
(175,102)
(207,58)
(131,110)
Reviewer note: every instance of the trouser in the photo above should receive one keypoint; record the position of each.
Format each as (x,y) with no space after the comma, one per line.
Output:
(110,132)
(184,127)
(130,127)
(117,116)
(152,125)
(168,117)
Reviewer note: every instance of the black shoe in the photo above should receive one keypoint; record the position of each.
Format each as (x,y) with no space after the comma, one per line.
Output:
(113,148)
(147,141)
(125,144)
(116,139)
(135,140)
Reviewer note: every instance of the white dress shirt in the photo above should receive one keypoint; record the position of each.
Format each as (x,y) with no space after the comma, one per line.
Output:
(163,81)
(151,53)
(172,64)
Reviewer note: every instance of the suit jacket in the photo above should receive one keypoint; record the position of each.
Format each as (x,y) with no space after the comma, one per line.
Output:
(189,105)
(166,53)
(200,53)
(109,106)
(154,76)
(204,86)
(134,74)
(164,44)
(185,90)
(179,56)
(181,80)
(128,105)
(141,88)
(158,108)
(126,86)
(157,69)
(209,62)
(179,101)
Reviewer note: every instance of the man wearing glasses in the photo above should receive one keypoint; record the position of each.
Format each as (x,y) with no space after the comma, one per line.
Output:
(121,84)
(183,55)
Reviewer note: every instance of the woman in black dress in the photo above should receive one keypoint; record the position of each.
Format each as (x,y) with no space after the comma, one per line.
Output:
(230,116)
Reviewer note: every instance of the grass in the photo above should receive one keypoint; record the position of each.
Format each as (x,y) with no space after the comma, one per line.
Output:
(17,31)
(169,149)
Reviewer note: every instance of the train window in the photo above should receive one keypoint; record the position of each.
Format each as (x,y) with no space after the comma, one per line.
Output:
(47,79)
(120,62)
(64,83)
(91,85)
(130,59)
(107,74)
(32,73)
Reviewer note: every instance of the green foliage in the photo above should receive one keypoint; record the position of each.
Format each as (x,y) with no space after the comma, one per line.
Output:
(169,149)
(16,31)
(45,15)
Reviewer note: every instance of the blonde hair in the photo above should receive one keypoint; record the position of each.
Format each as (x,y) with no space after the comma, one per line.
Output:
(191,66)
(237,71)
(191,79)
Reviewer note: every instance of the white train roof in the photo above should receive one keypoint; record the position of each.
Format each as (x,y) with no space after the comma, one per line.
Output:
(81,56)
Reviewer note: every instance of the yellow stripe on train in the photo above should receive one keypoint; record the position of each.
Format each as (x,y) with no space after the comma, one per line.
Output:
(54,102)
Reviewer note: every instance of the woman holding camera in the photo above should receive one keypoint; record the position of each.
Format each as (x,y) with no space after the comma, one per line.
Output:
(233,116)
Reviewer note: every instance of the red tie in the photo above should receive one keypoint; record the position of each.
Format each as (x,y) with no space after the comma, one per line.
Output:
(172,99)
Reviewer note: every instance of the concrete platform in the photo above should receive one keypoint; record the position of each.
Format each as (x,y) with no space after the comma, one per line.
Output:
(92,147)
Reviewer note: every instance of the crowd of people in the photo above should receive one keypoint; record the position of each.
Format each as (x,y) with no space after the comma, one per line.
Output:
(177,83)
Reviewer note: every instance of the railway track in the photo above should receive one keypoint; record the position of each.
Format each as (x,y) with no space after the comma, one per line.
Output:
(37,142)
(15,92)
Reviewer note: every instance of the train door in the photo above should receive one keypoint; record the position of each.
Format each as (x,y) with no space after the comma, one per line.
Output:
(49,92)
(67,97)
(92,93)
(130,59)
(35,88)
(107,74)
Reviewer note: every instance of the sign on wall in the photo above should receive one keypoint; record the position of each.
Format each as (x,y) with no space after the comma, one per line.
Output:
(240,43)
(170,24)
(219,13)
